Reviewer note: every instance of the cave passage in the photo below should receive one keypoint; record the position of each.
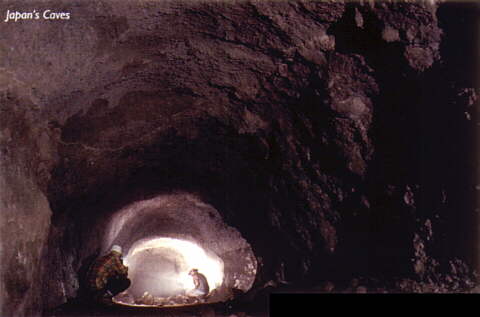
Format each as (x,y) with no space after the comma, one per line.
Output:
(163,238)
(276,146)
(160,267)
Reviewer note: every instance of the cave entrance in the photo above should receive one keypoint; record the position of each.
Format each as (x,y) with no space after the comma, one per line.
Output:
(164,237)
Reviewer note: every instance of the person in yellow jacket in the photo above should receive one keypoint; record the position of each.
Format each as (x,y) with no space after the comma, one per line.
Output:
(108,276)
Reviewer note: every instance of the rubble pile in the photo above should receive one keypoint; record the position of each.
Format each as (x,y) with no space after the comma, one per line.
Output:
(151,300)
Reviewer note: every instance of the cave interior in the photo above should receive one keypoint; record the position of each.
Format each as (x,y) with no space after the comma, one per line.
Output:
(292,146)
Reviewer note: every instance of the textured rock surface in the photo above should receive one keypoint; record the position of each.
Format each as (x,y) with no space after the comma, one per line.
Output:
(317,129)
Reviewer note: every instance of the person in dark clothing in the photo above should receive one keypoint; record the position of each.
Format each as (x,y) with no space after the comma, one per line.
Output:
(201,289)
(108,277)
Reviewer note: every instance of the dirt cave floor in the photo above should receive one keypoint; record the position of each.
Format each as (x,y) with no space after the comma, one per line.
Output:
(257,304)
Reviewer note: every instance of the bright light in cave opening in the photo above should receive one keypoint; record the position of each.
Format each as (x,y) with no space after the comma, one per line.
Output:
(188,255)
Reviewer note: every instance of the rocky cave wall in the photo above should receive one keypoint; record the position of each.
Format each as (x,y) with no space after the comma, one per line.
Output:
(336,137)
(25,217)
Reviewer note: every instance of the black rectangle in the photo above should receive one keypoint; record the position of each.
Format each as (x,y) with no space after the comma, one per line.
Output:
(402,304)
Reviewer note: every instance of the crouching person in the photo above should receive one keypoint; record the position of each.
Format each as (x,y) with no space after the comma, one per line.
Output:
(201,289)
(107,277)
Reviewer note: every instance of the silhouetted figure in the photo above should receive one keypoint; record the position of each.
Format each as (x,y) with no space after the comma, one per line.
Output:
(201,289)
(107,277)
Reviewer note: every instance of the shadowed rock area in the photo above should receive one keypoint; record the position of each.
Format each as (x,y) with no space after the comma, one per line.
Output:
(336,139)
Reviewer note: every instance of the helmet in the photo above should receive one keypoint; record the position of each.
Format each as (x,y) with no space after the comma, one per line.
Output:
(117,248)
